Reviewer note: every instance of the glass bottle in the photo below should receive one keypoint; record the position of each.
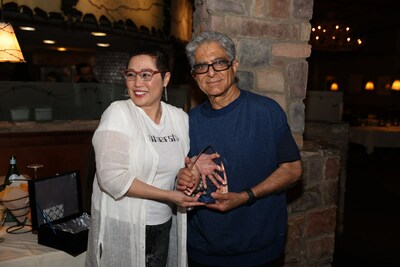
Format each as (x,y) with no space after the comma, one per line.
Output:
(12,172)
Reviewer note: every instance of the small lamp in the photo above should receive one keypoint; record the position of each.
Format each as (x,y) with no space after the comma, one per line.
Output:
(334,87)
(10,50)
(369,86)
(396,85)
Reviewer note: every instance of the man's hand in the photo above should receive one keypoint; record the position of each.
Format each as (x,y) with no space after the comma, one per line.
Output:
(198,170)
(187,178)
(227,201)
(207,168)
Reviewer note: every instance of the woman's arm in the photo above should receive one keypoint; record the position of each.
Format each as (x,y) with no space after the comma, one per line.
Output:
(140,189)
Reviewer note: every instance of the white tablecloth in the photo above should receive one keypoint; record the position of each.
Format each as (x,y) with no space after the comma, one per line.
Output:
(22,250)
(375,136)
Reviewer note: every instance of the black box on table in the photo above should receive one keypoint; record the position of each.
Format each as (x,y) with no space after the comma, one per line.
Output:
(56,207)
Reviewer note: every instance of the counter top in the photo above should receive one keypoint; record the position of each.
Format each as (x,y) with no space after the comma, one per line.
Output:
(49,126)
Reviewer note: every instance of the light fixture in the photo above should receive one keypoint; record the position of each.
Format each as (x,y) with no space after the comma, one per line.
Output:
(98,34)
(396,85)
(27,28)
(49,41)
(334,87)
(10,50)
(61,49)
(103,44)
(331,36)
(369,86)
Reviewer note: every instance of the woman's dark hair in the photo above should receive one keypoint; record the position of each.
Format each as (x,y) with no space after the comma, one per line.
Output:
(162,60)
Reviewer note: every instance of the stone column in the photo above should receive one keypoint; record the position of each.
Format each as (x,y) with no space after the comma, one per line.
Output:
(271,37)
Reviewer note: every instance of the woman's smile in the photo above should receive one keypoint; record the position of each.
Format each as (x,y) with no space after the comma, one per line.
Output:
(140,93)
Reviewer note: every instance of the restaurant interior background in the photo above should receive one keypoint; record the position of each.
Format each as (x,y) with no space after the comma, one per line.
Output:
(55,36)
(338,65)
(375,22)
(370,179)
(50,123)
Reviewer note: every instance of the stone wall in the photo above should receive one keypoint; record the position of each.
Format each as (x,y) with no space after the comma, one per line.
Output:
(335,133)
(272,46)
(312,206)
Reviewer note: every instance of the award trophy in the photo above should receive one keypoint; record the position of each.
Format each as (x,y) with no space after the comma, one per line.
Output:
(212,176)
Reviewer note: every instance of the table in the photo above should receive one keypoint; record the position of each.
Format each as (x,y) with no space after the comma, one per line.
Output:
(375,136)
(23,250)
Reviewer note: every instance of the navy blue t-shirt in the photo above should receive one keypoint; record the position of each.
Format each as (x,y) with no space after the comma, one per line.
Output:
(253,137)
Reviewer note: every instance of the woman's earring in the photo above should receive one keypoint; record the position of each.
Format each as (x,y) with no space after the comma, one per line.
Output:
(126,93)
(165,94)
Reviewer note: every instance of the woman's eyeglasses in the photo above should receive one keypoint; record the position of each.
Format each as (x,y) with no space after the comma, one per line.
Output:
(145,75)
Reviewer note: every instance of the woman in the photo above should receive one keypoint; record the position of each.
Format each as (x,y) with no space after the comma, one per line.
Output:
(140,145)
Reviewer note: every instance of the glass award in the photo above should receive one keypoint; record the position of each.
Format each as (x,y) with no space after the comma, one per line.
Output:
(211,177)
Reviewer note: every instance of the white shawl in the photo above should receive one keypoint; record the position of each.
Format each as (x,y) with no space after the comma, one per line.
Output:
(124,153)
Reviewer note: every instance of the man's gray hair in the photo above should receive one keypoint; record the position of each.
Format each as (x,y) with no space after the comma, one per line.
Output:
(210,36)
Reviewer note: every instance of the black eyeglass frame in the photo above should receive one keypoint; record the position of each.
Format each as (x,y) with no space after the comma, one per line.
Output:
(228,65)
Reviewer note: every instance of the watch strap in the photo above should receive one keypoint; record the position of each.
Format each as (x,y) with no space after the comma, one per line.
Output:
(252,197)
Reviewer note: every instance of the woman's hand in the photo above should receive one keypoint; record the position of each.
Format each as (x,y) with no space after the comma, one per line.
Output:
(181,199)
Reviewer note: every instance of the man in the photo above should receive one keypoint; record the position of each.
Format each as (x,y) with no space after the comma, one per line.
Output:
(247,225)
(85,74)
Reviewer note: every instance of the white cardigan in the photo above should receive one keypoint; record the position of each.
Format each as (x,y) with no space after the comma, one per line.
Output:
(124,153)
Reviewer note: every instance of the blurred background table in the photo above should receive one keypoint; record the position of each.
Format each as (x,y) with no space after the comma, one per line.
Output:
(23,250)
(375,136)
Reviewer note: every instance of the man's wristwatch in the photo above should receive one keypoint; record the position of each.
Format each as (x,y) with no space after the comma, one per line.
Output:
(252,197)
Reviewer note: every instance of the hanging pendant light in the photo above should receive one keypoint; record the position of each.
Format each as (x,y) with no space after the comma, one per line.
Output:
(10,50)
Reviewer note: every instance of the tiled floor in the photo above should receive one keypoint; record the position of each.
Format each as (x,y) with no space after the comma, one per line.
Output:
(371,235)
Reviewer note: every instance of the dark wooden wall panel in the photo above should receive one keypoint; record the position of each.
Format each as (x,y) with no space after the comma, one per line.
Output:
(57,151)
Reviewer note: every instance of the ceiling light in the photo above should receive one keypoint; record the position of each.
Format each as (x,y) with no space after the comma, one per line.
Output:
(98,34)
(49,41)
(62,49)
(103,44)
(27,28)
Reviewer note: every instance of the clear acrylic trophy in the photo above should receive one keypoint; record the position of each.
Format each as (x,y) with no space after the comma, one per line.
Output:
(210,166)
